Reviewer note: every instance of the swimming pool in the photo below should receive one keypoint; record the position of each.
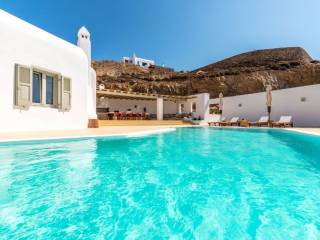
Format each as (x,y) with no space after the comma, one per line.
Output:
(194,183)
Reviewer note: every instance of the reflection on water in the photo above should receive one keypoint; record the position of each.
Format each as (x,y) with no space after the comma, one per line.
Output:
(305,145)
(38,180)
(7,156)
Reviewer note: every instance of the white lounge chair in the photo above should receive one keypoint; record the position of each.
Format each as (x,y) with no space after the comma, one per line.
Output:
(216,121)
(263,121)
(235,121)
(285,121)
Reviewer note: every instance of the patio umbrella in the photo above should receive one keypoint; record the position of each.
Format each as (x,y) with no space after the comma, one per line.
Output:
(220,105)
(269,101)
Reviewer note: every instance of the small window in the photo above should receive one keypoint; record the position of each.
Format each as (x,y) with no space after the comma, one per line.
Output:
(214,109)
(181,110)
(45,89)
(36,87)
(49,90)
(194,107)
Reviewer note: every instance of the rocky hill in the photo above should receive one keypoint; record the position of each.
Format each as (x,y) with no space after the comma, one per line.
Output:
(268,59)
(241,74)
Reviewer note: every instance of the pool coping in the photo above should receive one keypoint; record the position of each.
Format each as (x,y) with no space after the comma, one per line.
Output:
(301,130)
(89,136)
(307,131)
(141,133)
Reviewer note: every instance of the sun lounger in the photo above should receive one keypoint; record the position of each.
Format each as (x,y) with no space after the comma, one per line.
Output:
(235,121)
(263,121)
(285,121)
(216,121)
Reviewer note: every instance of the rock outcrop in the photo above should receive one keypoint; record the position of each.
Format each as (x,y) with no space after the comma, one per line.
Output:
(242,74)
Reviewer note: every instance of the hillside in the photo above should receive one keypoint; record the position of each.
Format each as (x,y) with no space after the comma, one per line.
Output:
(241,74)
(268,59)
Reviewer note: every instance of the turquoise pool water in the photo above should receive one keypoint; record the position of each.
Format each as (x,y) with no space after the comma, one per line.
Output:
(194,183)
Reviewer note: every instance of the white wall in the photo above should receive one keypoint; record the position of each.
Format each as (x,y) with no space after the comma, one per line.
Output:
(202,105)
(285,102)
(91,94)
(25,44)
(202,102)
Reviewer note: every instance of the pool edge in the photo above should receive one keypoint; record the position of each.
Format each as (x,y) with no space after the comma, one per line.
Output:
(131,134)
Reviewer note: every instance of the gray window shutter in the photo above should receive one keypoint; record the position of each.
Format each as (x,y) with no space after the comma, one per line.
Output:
(23,87)
(66,94)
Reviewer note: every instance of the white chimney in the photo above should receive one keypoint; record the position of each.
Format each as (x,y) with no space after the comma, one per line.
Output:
(84,42)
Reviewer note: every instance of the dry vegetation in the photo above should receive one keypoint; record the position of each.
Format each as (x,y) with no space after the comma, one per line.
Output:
(241,74)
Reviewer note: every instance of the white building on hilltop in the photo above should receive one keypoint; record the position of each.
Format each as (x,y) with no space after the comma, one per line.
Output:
(145,63)
(46,83)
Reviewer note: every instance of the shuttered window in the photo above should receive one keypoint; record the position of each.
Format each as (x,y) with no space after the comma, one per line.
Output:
(23,87)
(41,88)
(66,94)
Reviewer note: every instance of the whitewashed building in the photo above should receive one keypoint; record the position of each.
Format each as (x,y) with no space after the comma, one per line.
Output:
(145,63)
(46,83)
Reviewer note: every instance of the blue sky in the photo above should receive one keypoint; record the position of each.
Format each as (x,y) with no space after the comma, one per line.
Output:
(184,34)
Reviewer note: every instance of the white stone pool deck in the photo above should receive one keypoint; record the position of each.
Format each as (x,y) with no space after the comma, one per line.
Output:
(106,131)
(82,133)
(313,131)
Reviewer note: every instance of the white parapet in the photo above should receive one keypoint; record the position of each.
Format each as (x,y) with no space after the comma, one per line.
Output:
(302,103)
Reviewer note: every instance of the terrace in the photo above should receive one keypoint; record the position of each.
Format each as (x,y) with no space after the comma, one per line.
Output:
(127,106)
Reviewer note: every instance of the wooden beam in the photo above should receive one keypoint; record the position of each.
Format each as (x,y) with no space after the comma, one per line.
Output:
(140,96)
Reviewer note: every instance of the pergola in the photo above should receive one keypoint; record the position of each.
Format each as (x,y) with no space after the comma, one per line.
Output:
(117,94)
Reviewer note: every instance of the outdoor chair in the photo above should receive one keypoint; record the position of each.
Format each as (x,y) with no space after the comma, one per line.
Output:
(285,121)
(263,121)
(235,121)
(216,121)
